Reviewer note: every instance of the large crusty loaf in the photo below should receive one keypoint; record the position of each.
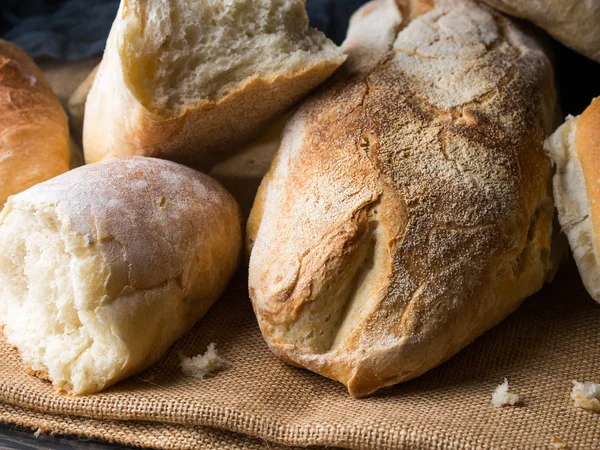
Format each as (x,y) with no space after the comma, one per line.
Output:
(34,134)
(576,23)
(187,80)
(575,148)
(409,207)
(104,267)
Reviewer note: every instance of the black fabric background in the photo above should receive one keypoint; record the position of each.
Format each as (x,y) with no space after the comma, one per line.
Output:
(77,29)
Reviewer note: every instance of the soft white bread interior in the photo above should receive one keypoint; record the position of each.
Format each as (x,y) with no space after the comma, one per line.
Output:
(576,23)
(104,267)
(34,133)
(409,207)
(575,149)
(185,78)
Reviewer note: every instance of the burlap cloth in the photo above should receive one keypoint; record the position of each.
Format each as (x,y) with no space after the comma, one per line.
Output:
(259,401)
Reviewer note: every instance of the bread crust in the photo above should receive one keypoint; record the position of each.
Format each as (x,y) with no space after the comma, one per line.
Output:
(168,238)
(118,124)
(34,133)
(409,207)
(575,23)
(575,149)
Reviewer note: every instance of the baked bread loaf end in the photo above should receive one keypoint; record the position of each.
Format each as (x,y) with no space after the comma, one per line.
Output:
(104,267)
(190,80)
(409,207)
(576,23)
(34,133)
(575,149)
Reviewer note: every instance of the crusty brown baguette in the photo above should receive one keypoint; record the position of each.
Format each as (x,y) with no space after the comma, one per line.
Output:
(409,207)
(575,148)
(190,81)
(576,23)
(118,260)
(34,134)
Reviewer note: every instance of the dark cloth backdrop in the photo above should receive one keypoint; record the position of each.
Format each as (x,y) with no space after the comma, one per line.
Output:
(77,29)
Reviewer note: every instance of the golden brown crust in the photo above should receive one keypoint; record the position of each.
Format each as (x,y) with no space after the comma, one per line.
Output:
(34,135)
(587,145)
(409,208)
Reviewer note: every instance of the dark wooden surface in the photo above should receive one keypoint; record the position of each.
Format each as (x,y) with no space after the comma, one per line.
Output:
(14,437)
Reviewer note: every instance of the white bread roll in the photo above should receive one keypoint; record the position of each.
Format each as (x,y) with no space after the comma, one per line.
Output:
(104,267)
(576,23)
(409,207)
(187,80)
(34,133)
(575,149)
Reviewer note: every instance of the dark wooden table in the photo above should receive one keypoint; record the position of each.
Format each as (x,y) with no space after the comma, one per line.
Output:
(14,437)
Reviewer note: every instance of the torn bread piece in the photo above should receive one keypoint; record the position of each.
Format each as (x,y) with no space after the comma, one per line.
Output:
(105,267)
(191,80)
(205,365)
(574,148)
(501,396)
(586,395)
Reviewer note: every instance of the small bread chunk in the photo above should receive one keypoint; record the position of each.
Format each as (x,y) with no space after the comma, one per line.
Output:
(558,443)
(586,395)
(501,396)
(202,366)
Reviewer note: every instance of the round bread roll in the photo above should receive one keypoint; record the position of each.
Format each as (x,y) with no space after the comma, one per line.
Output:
(576,23)
(190,80)
(34,133)
(104,267)
(409,207)
(575,148)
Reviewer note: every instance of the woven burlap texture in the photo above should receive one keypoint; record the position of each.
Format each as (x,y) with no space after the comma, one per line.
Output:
(551,340)
(139,434)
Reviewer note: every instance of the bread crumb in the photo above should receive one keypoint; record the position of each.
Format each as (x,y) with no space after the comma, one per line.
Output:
(501,396)
(586,395)
(37,433)
(557,442)
(205,365)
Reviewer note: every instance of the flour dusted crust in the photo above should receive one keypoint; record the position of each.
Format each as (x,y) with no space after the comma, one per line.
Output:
(118,259)
(34,133)
(575,149)
(409,207)
(576,23)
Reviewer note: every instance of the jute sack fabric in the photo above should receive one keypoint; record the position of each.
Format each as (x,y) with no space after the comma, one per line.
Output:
(139,434)
(551,340)
(259,401)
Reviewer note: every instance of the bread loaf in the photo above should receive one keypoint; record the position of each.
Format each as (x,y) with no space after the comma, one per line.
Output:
(187,80)
(409,207)
(104,267)
(576,23)
(575,148)
(34,134)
